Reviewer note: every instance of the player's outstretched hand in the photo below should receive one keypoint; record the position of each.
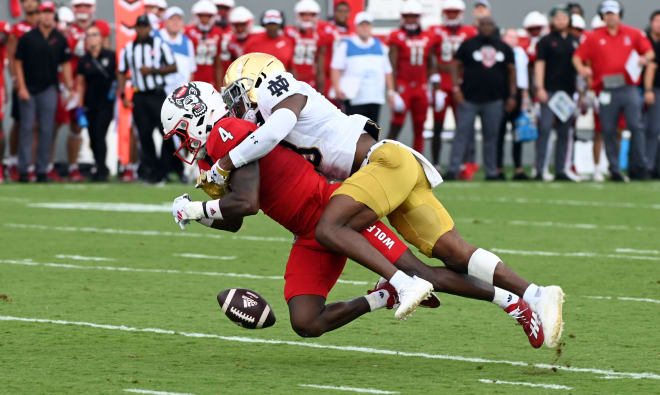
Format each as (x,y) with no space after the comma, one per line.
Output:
(179,210)
(215,191)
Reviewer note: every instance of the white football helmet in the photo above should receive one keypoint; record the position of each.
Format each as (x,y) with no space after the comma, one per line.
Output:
(65,16)
(578,22)
(190,112)
(204,7)
(535,19)
(83,16)
(224,3)
(307,7)
(411,7)
(241,15)
(597,22)
(453,5)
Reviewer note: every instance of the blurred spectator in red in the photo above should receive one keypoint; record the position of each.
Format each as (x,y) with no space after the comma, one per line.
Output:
(30,7)
(5,31)
(84,12)
(652,99)
(207,38)
(309,45)
(39,53)
(96,93)
(241,20)
(224,8)
(272,41)
(340,15)
(607,50)
(410,56)
(451,34)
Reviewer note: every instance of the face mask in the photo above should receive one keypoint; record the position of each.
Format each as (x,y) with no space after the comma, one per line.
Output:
(251,115)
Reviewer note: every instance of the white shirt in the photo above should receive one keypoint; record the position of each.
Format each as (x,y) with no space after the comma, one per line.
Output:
(184,55)
(364,64)
(521,60)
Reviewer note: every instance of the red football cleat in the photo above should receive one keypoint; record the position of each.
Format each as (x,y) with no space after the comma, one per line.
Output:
(530,322)
(127,176)
(468,171)
(53,176)
(393,300)
(76,176)
(13,173)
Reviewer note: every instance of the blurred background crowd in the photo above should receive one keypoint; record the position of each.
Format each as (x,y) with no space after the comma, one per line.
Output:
(572,98)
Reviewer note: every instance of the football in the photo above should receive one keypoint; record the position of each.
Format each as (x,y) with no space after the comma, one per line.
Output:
(246,308)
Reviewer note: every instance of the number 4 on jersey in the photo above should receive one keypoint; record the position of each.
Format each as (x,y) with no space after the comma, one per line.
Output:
(225,135)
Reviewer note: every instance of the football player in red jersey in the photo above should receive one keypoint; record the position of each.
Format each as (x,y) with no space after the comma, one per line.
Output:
(84,11)
(536,26)
(206,37)
(451,35)
(410,55)
(30,7)
(257,186)
(231,47)
(5,31)
(224,8)
(272,41)
(309,45)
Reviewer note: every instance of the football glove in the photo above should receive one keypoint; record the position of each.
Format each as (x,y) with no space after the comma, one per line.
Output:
(218,175)
(184,210)
(215,191)
(399,104)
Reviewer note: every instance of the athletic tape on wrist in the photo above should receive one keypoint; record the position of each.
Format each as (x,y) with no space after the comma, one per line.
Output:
(482,265)
(385,241)
(212,209)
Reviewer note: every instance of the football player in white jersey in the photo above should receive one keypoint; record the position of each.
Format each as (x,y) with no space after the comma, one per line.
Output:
(383,178)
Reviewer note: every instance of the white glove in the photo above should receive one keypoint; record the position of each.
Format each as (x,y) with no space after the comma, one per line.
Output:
(218,175)
(439,100)
(399,104)
(184,210)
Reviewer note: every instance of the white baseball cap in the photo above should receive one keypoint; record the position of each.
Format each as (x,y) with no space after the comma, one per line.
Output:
(363,17)
(272,16)
(610,6)
(172,11)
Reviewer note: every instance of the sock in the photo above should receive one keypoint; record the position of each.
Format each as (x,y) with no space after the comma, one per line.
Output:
(504,298)
(399,279)
(377,300)
(51,166)
(73,167)
(532,294)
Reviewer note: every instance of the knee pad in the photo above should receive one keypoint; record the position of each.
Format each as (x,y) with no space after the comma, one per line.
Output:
(482,265)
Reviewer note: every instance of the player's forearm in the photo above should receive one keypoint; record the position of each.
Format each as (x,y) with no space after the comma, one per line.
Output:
(539,73)
(11,55)
(264,139)
(228,224)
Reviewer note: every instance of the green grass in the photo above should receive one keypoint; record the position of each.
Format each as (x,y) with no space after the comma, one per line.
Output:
(35,357)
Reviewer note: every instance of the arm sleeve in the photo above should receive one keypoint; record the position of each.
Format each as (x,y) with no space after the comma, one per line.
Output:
(339,57)
(264,139)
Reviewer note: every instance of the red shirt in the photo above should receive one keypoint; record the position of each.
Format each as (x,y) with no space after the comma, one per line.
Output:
(5,31)
(608,54)
(281,47)
(449,38)
(529,45)
(306,48)
(413,54)
(290,191)
(331,38)
(207,48)
(21,28)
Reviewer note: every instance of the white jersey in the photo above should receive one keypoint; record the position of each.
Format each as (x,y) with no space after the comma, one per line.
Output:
(323,134)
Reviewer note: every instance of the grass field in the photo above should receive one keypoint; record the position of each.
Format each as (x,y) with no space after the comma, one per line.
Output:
(99,301)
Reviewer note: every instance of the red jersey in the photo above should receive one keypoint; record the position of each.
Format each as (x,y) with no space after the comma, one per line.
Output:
(5,31)
(21,28)
(291,192)
(413,54)
(331,38)
(281,47)
(305,52)
(608,54)
(207,48)
(529,45)
(449,38)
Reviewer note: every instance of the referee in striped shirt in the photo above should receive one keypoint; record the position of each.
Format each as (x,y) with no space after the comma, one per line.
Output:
(148,59)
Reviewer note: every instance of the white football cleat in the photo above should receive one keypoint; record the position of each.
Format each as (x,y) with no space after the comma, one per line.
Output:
(411,295)
(549,309)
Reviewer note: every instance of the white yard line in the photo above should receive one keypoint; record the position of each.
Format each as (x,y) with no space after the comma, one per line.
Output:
(624,298)
(579,254)
(350,389)
(105,206)
(633,251)
(366,350)
(84,258)
(128,232)
(559,202)
(524,384)
(202,256)
(28,262)
(139,391)
(552,224)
